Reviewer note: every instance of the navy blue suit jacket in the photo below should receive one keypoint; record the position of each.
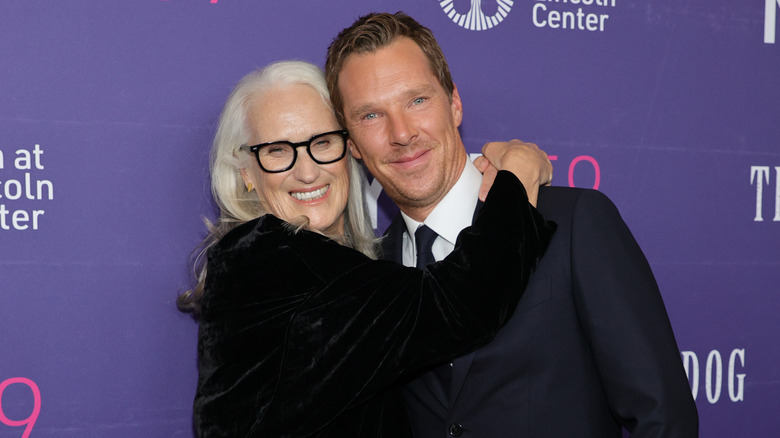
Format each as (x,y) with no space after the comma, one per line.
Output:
(589,350)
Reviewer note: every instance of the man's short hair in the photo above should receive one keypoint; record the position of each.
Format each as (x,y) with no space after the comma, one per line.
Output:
(373,32)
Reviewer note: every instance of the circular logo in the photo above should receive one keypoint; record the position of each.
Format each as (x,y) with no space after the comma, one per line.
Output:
(475,19)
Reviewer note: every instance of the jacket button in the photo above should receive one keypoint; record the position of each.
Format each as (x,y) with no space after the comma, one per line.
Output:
(456,429)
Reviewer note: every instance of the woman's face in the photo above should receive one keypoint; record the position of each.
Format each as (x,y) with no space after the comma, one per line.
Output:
(297,113)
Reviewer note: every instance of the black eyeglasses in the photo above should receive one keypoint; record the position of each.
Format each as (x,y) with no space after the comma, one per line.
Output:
(279,156)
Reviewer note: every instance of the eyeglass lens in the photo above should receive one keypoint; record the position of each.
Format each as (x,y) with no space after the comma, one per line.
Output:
(323,149)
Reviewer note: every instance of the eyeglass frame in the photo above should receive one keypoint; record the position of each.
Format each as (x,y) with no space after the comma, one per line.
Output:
(255,149)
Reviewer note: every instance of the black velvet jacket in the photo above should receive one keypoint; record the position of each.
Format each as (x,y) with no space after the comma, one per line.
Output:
(303,337)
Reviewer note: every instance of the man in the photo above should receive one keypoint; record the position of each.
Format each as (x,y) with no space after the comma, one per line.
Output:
(590,349)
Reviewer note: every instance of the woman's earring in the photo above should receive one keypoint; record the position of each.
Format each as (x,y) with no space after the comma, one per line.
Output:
(249,187)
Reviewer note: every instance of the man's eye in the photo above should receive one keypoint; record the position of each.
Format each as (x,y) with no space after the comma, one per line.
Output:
(370,116)
(418,101)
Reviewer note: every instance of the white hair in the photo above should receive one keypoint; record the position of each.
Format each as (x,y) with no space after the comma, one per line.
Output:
(236,204)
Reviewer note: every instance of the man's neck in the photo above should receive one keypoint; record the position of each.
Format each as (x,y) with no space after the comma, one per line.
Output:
(456,209)
(421,213)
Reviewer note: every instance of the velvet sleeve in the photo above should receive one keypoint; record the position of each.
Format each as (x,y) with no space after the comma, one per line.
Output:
(309,328)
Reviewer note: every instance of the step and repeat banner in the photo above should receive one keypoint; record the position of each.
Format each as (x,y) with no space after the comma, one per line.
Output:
(107,110)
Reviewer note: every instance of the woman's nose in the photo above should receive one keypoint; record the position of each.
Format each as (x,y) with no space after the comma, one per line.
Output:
(305,169)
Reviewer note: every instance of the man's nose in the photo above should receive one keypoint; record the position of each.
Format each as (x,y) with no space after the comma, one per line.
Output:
(403,130)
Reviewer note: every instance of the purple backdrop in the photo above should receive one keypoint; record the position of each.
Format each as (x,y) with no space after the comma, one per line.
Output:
(107,112)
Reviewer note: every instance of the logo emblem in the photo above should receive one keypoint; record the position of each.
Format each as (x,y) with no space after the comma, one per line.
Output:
(475,19)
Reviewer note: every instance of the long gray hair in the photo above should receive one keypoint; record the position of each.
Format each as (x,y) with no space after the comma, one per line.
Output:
(236,204)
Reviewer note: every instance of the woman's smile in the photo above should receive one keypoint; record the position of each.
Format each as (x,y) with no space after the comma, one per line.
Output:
(311,195)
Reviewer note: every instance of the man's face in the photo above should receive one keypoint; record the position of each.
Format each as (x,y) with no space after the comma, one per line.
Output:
(403,125)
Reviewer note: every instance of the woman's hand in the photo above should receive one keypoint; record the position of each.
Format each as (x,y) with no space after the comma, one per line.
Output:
(530,164)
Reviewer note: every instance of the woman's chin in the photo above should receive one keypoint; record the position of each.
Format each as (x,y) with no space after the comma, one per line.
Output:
(328,226)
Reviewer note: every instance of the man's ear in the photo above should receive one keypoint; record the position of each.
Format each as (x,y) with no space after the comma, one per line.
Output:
(456,107)
(353,149)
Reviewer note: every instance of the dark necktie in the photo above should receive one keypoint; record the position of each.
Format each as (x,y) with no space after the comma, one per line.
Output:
(424,238)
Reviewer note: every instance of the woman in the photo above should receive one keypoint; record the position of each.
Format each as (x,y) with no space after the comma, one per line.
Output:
(301,335)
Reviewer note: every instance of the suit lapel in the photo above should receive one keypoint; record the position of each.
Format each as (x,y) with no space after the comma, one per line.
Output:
(461,365)
(392,241)
(392,249)
(460,369)
(434,387)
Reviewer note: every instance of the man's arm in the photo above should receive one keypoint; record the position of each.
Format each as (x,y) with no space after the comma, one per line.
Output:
(624,317)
